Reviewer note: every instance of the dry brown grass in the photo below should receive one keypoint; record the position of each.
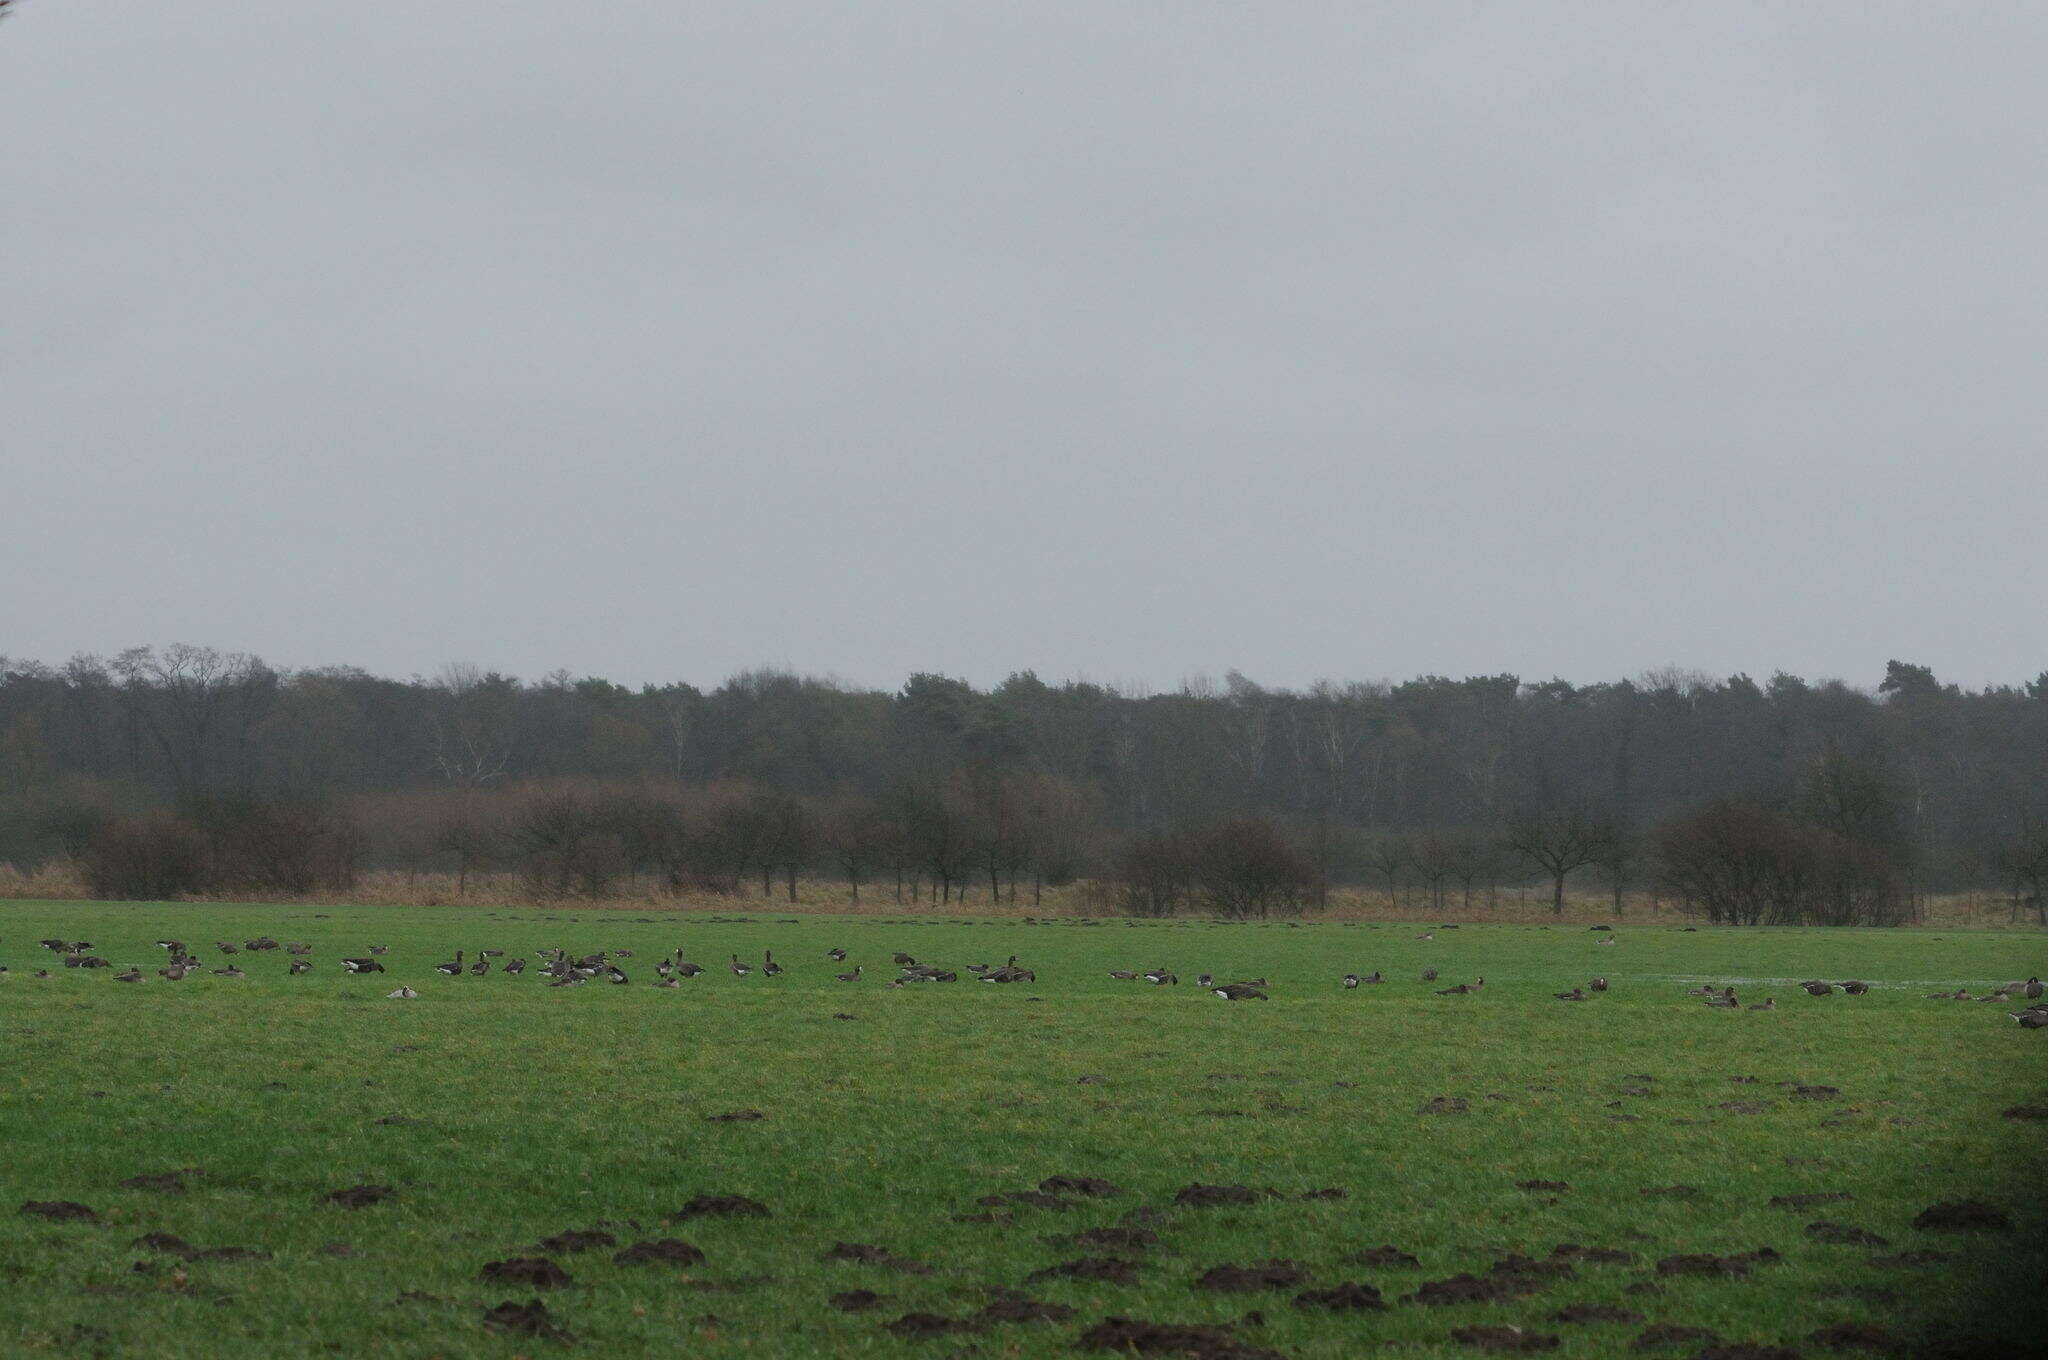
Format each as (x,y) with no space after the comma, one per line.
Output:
(60,882)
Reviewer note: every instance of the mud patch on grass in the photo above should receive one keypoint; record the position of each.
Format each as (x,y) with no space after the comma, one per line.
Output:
(1097,1269)
(524,1319)
(59,1210)
(2030,1113)
(1853,1336)
(868,1254)
(735,1117)
(924,1326)
(166,1182)
(1963,1215)
(719,1206)
(1235,1279)
(1548,1186)
(1108,1239)
(661,1251)
(1844,1234)
(858,1300)
(1199,1196)
(1445,1105)
(1351,1296)
(1596,1312)
(1010,1307)
(1592,1256)
(535,1272)
(1469,1289)
(359,1196)
(1661,1334)
(1386,1257)
(1196,1341)
(1092,1186)
(1912,1260)
(575,1240)
(1808,1201)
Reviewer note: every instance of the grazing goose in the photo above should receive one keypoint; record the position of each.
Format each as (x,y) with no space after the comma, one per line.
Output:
(132,975)
(739,969)
(402,994)
(904,960)
(1817,988)
(1959,994)
(1769,1003)
(480,967)
(362,965)
(230,971)
(684,968)
(836,955)
(1429,975)
(298,966)
(174,947)
(769,967)
(572,978)
(516,967)
(1598,984)
(1855,988)
(1725,1001)
(2030,1019)
(224,947)
(1351,980)
(854,976)
(1239,991)
(615,975)
(1575,994)
(1123,975)
(450,969)
(1463,988)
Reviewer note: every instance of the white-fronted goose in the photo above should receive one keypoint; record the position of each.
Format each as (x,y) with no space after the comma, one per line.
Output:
(298,966)
(769,967)
(740,969)
(1238,991)
(854,976)
(362,965)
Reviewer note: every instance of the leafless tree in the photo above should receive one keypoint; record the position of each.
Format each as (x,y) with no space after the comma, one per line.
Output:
(1558,842)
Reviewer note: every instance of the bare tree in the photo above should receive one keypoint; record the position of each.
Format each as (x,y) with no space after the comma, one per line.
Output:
(1557,843)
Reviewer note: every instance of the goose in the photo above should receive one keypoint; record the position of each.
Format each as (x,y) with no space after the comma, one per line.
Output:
(132,975)
(1123,975)
(230,971)
(572,978)
(1705,989)
(55,946)
(1204,980)
(1253,982)
(174,947)
(685,968)
(667,982)
(1238,991)
(1598,984)
(452,968)
(1817,988)
(298,966)
(298,949)
(1160,977)
(942,975)
(588,963)
(739,969)
(1769,1003)
(664,968)
(1009,972)
(2030,1019)
(516,967)
(1429,975)
(362,965)
(1351,980)
(1425,937)
(623,953)
(1462,989)
(1725,1001)
(616,975)
(1373,978)
(85,961)
(769,967)
(260,944)
(380,949)
(224,947)
(1959,994)
(836,955)
(1610,939)
(175,973)
(402,994)
(1575,994)
(904,960)
(2033,989)
(854,976)
(1855,988)
(480,967)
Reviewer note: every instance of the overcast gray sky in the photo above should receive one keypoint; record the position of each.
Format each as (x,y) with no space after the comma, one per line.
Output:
(659,340)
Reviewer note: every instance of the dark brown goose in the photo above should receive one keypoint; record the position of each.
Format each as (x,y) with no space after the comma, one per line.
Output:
(362,965)
(298,966)
(1238,991)
(854,976)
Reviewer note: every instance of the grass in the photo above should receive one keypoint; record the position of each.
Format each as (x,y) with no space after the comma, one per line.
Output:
(539,1110)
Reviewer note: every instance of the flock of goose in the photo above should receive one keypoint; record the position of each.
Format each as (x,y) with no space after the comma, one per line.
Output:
(558,969)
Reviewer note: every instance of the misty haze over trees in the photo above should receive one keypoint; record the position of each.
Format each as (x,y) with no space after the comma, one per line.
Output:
(187,770)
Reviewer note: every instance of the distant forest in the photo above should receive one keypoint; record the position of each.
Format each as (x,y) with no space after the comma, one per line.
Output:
(196,769)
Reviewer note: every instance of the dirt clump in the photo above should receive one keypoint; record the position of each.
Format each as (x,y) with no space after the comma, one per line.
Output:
(535,1272)
(1592,1256)
(1807,1201)
(1445,1105)
(1384,1257)
(1912,1260)
(1541,1185)
(576,1239)
(1853,1336)
(1660,1334)
(1099,1269)
(1012,1307)
(524,1319)
(1596,1312)
(1963,1215)
(735,1117)
(1195,1341)
(1236,1279)
(1199,1196)
(59,1210)
(858,1300)
(1348,1297)
(920,1326)
(666,1251)
(1109,1239)
(169,1182)
(1470,1289)
(719,1206)
(360,1196)
(2033,1113)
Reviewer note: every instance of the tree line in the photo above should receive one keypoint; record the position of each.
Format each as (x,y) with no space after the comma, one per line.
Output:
(1785,800)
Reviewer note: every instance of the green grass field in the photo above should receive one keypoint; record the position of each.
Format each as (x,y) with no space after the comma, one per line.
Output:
(501,1111)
